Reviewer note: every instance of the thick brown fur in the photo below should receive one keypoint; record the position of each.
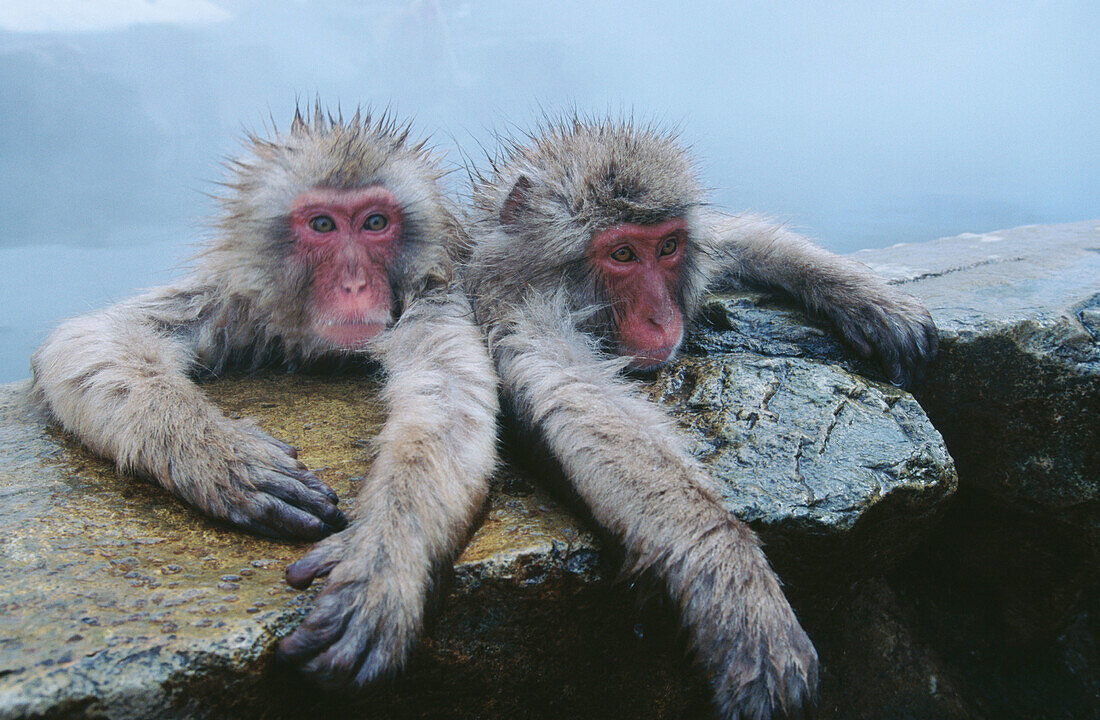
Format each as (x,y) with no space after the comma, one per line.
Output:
(122,381)
(535,292)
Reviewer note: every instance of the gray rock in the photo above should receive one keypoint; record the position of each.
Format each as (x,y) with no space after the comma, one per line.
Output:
(838,472)
(1016,388)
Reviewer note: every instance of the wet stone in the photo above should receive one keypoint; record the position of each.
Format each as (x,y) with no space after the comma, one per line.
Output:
(85,624)
(838,472)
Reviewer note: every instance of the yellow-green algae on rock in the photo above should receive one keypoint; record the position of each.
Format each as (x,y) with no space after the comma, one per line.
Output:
(118,600)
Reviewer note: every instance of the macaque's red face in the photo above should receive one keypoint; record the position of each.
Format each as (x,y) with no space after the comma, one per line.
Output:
(348,239)
(639,266)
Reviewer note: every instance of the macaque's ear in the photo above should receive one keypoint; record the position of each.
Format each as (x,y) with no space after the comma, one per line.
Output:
(516,205)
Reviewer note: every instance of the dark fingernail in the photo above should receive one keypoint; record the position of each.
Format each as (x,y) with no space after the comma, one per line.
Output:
(336,519)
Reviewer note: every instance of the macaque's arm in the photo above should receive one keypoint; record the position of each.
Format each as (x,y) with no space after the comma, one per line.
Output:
(873,317)
(120,380)
(416,506)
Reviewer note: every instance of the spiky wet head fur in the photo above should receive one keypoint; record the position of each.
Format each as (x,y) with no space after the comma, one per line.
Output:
(251,260)
(544,198)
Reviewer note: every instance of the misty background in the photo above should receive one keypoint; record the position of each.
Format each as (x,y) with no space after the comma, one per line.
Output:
(859,123)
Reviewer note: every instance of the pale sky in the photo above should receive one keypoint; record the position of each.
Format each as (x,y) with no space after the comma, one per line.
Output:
(66,16)
(859,123)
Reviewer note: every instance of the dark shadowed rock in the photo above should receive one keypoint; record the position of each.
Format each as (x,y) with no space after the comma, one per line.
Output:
(879,667)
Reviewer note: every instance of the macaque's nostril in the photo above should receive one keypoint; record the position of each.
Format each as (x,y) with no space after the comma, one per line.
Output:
(354,287)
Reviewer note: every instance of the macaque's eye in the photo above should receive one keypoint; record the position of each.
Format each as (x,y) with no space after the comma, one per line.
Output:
(623,254)
(669,246)
(322,224)
(376,222)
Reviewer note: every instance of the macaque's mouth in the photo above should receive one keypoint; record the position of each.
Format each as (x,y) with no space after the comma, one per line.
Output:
(350,334)
(649,359)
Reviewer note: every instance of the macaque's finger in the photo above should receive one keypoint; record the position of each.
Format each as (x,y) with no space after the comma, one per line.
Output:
(296,493)
(892,367)
(853,333)
(258,528)
(356,653)
(285,463)
(914,348)
(250,427)
(932,338)
(340,662)
(318,562)
(930,341)
(376,663)
(314,483)
(801,702)
(360,627)
(911,367)
(291,522)
(323,626)
(858,339)
(918,358)
(285,447)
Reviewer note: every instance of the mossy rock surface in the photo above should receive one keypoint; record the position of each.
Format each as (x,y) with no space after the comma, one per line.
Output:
(116,600)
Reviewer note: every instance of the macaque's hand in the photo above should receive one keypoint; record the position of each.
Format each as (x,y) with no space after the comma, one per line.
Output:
(366,618)
(771,669)
(891,326)
(255,481)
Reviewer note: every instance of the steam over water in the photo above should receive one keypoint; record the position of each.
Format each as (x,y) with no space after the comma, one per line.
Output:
(863,124)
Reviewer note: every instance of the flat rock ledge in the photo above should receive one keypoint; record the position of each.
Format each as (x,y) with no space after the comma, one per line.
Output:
(117,601)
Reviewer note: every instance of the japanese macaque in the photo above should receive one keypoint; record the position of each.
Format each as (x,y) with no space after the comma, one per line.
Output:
(592,246)
(334,241)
